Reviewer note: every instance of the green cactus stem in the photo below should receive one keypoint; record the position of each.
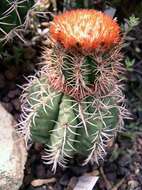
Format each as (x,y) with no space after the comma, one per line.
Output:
(75,104)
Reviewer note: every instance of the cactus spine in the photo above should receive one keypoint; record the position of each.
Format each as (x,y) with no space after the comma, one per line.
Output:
(75,105)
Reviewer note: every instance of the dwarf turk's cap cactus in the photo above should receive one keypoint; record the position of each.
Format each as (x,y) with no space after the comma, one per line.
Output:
(75,104)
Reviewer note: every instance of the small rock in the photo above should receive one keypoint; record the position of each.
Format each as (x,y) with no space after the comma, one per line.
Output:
(12,153)
(133,184)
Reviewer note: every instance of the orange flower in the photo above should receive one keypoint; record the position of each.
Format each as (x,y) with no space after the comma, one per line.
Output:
(89,29)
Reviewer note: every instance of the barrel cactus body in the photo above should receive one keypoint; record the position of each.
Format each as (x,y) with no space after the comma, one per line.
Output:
(75,104)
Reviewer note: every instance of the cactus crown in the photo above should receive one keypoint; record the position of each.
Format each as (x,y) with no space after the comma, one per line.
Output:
(75,105)
(86,45)
(88,29)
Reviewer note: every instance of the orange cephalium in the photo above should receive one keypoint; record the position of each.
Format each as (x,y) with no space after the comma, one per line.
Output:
(88,29)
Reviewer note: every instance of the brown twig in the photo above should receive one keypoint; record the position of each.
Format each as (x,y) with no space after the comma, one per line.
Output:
(118,184)
(40,182)
(108,183)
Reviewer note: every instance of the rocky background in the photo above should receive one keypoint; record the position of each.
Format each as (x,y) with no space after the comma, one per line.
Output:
(19,57)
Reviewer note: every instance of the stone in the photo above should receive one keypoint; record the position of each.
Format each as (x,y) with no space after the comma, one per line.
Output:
(13,153)
(133,184)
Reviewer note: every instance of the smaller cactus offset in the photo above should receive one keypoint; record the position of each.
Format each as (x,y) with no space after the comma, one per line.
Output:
(75,104)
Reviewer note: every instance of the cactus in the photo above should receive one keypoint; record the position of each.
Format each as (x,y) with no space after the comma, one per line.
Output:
(75,104)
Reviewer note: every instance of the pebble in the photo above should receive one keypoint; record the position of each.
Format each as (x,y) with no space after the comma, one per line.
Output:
(13,154)
(133,184)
